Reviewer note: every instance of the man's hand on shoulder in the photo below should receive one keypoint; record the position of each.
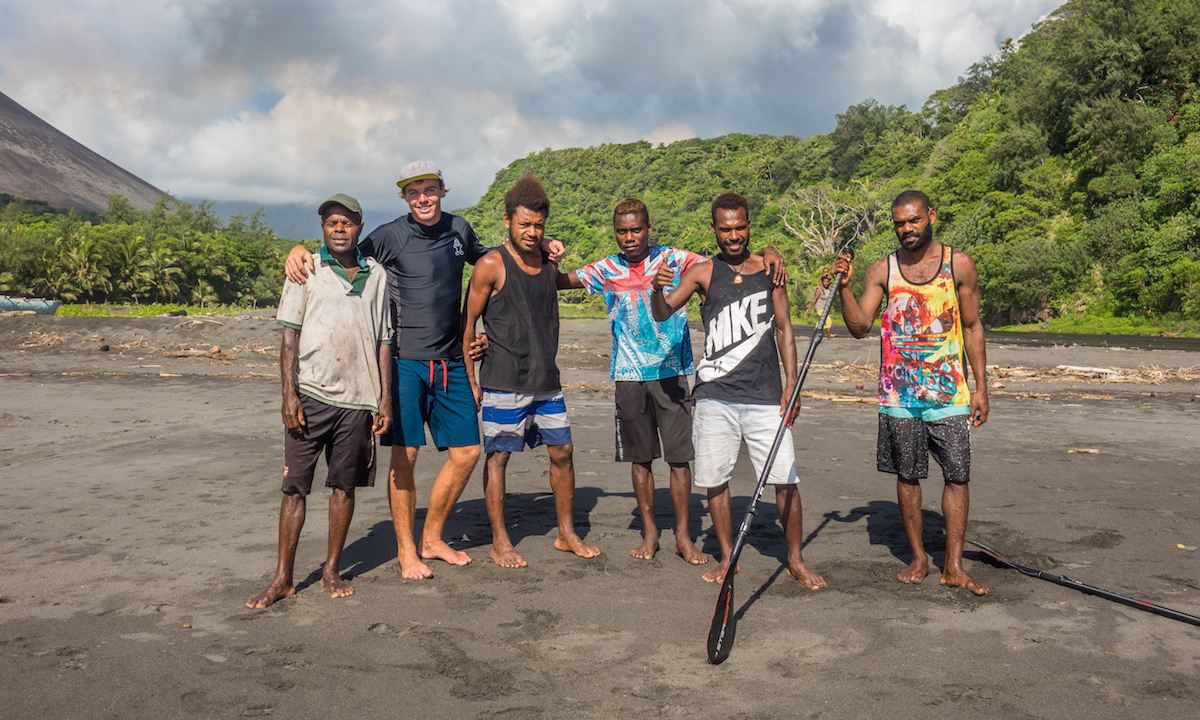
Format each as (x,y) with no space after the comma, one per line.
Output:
(299,264)
(775,266)
(554,248)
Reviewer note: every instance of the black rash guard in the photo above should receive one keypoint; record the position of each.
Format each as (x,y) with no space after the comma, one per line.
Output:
(424,272)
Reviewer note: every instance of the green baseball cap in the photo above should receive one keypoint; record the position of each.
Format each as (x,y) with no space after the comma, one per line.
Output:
(341,199)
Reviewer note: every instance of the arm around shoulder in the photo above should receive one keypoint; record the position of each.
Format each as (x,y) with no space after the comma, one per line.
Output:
(299,264)
(568,281)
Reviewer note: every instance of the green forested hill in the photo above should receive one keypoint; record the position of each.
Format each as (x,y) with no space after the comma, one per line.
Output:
(1068,167)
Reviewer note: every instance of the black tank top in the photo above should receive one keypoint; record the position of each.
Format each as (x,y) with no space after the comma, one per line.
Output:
(740,361)
(521,322)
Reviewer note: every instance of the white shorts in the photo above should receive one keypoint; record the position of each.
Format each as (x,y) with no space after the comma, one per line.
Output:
(718,429)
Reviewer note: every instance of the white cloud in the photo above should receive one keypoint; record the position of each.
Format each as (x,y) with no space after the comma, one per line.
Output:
(286,100)
(670,132)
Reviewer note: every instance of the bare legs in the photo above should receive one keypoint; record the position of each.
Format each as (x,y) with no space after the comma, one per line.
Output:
(291,520)
(908,496)
(402,494)
(787,500)
(955,507)
(341,510)
(718,510)
(562,482)
(681,498)
(503,553)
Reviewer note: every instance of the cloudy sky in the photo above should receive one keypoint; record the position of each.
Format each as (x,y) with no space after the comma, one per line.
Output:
(275,101)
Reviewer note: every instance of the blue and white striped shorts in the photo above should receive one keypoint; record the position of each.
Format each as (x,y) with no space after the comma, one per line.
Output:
(513,420)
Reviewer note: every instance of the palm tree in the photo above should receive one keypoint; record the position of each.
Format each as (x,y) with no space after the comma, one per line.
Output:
(162,269)
(133,277)
(76,270)
(204,294)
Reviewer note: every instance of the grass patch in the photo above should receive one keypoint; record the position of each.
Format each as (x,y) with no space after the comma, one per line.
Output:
(1168,326)
(153,310)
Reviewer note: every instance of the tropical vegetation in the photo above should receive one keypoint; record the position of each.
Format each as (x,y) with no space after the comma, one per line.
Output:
(175,253)
(1067,165)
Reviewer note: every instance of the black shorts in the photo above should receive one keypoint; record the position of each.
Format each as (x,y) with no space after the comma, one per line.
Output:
(905,444)
(650,408)
(346,438)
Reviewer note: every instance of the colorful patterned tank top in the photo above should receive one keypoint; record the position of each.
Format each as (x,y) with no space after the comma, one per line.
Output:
(921,342)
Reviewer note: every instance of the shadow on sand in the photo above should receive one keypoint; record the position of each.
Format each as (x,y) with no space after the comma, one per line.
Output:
(884,527)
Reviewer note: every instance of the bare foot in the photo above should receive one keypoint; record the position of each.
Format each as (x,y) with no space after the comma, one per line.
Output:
(508,557)
(439,550)
(686,550)
(573,544)
(961,579)
(811,580)
(411,567)
(335,585)
(717,574)
(647,549)
(915,572)
(275,591)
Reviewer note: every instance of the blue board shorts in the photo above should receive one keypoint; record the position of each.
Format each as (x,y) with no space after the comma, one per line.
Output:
(513,420)
(436,393)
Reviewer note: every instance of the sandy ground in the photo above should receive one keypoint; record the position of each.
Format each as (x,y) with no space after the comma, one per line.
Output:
(140,497)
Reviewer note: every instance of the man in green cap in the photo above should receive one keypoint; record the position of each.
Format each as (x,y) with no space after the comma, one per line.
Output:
(424,253)
(337,335)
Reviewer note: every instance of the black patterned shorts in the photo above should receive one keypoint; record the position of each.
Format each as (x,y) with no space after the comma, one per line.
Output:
(905,444)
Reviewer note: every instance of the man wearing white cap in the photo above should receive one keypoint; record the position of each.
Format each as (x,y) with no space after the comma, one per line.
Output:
(424,253)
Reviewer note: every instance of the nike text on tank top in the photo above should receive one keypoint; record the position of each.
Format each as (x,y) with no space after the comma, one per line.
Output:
(740,364)
(921,341)
(521,322)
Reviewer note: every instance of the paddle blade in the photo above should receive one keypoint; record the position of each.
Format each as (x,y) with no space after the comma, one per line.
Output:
(721,630)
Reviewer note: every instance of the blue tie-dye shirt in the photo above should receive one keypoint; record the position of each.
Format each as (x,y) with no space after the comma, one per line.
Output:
(642,348)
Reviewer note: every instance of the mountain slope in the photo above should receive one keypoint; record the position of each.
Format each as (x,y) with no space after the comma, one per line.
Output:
(45,164)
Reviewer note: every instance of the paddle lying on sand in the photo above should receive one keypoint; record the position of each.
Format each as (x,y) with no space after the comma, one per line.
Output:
(724,624)
(1089,589)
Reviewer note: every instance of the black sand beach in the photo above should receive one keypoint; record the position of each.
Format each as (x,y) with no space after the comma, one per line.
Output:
(141,493)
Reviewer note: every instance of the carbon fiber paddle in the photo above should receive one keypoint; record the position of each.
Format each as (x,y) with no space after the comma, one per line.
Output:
(1089,589)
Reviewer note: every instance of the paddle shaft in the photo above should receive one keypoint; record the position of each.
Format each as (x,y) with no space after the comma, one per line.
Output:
(1090,589)
(817,335)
